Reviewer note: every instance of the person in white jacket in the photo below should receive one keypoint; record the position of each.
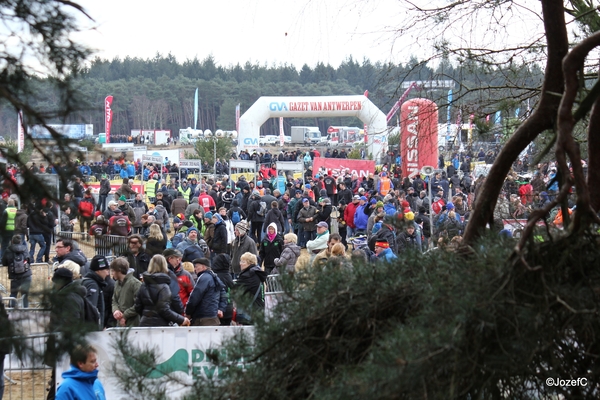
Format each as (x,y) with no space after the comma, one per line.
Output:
(314,247)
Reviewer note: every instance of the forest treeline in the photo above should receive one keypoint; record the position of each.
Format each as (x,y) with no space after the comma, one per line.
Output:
(158,93)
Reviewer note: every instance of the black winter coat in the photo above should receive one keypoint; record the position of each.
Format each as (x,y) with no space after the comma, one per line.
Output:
(219,242)
(269,251)
(249,281)
(9,256)
(274,215)
(155,246)
(153,301)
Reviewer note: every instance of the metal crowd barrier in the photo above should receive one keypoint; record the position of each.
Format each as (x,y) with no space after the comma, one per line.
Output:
(105,245)
(273,293)
(41,280)
(26,377)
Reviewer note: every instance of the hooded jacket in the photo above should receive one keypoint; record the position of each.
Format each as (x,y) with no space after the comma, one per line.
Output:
(271,249)
(78,384)
(288,258)
(153,301)
(193,206)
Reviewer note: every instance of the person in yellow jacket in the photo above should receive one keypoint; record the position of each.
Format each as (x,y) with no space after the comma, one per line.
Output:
(7,225)
(150,189)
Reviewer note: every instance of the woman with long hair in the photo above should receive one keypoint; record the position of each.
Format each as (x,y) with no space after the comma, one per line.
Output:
(156,242)
(153,299)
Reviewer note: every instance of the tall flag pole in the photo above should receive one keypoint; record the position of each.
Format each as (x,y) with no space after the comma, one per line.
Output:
(448,116)
(20,133)
(281,138)
(237,118)
(196,110)
(108,116)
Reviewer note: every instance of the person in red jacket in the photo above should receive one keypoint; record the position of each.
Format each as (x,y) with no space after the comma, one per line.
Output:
(119,224)
(184,278)
(349,216)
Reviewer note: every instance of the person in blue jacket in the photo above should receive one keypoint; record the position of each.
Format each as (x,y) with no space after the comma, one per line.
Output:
(383,251)
(81,381)
(361,217)
(208,300)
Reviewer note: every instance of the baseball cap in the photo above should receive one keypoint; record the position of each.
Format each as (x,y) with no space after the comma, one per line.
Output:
(449,206)
(356,197)
(323,224)
(364,198)
(305,200)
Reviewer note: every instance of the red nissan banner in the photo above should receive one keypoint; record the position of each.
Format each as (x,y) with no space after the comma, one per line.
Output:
(108,114)
(419,135)
(115,186)
(338,165)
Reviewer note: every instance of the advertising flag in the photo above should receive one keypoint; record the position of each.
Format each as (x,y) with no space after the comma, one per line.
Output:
(108,116)
(20,133)
(419,136)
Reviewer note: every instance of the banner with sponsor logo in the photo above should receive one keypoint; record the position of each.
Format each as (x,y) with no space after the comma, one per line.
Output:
(181,355)
(419,135)
(108,116)
(338,165)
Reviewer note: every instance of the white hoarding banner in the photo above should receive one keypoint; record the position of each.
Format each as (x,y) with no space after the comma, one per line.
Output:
(181,352)
(190,163)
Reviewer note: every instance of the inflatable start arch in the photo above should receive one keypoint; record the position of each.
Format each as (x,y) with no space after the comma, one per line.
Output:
(310,107)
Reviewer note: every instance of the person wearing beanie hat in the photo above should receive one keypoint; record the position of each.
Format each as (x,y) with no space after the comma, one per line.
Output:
(95,283)
(240,245)
(123,199)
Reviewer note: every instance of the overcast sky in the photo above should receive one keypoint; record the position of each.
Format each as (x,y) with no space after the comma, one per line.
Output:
(264,31)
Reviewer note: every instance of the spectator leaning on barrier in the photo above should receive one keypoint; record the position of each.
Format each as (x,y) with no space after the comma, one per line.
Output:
(126,287)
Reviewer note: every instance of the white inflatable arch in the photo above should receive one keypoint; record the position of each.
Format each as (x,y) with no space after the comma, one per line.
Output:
(310,107)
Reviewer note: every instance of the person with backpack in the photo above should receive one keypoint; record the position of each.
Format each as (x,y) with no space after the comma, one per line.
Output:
(256,215)
(17,259)
(208,300)
(95,283)
(86,209)
(119,224)
(235,213)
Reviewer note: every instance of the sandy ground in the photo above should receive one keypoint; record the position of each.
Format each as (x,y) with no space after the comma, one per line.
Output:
(27,385)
